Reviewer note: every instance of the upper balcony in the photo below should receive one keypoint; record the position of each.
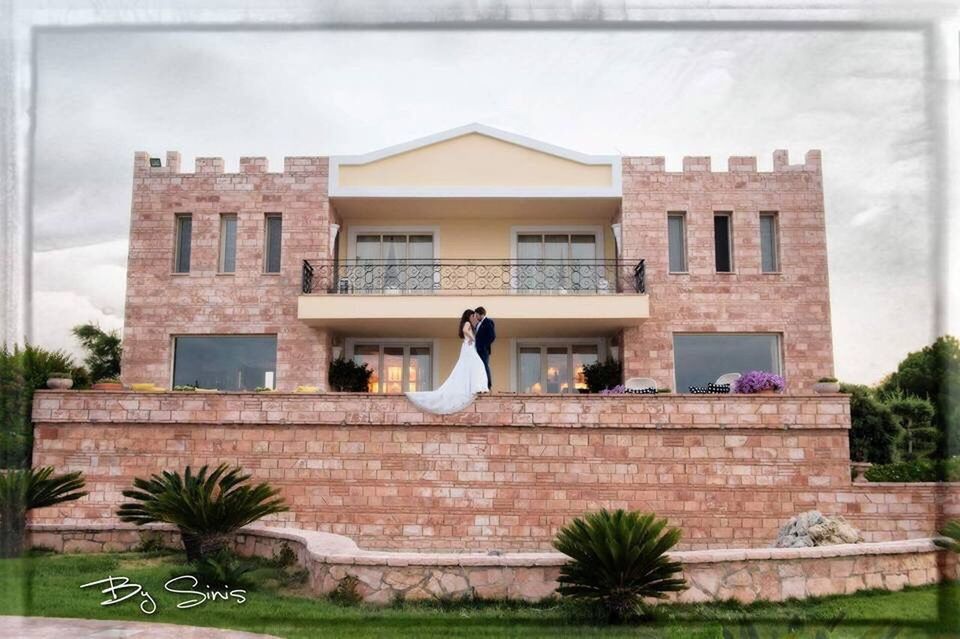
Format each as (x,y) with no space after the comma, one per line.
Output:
(421,297)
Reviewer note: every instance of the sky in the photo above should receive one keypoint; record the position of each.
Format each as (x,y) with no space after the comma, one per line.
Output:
(859,97)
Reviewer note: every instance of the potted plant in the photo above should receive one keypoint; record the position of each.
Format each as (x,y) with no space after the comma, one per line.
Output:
(60,380)
(347,376)
(189,388)
(108,384)
(827,385)
(764,382)
(600,376)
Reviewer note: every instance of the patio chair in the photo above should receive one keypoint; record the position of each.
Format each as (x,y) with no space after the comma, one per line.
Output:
(728,378)
(639,383)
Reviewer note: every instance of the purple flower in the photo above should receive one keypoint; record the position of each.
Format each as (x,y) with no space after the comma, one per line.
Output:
(756,381)
(619,389)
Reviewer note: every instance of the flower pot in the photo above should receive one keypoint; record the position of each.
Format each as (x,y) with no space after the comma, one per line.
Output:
(826,387)
(60,383)
(107,386)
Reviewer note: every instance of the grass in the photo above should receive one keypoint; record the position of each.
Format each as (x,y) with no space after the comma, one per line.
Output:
(49,585)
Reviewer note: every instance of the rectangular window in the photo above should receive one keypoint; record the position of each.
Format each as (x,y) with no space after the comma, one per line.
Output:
(392,261)
(700,358)
(181,251)
(228,243)
(557,261)
(225,362)
(273,232)
(397,368)
(553,368)
(723,242)
(769,243)
(677,238)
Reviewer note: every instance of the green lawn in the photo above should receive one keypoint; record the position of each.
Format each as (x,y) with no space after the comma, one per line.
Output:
(49,585)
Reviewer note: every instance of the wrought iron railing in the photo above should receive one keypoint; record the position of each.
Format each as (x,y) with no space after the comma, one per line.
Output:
(422,277)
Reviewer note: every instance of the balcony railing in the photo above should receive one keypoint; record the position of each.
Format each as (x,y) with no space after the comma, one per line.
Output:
(426,277)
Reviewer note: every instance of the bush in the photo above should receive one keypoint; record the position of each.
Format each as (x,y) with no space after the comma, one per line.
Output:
(917,470)
(207,509)
(603,375)
(918,437)
(873,428)
(951,536)
(757,381)
(346,593)
(27,489)
(345,375)
(618,559)
(103,351)
(223,570)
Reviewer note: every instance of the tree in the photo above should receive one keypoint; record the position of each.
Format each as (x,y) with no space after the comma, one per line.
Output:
(918,437)
(103,351)
(27,489)
(933,373)
(874,430)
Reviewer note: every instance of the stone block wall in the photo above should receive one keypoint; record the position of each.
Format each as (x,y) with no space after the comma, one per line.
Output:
(161,304)
(794,302)
(504,474)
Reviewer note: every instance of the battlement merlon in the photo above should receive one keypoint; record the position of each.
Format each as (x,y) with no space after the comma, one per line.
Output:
(735,163)
(312,165)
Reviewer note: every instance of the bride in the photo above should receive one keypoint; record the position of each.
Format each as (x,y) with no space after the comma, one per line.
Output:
(468,377)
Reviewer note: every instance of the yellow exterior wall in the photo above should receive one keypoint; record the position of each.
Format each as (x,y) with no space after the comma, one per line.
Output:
(475,160)
(465,237)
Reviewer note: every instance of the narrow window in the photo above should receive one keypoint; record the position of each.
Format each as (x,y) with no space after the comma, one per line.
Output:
(723,242)
(677,237)
(181,255)
(228,243)
(769,243)
(273,227)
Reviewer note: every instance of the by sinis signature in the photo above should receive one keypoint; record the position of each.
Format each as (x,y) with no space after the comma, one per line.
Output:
(122,589)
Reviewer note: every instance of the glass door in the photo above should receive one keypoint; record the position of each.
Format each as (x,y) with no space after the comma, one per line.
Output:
(557,262)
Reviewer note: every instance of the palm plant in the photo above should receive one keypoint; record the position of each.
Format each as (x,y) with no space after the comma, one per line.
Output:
(617,560)
(950,536)
(206,508)
(27,489)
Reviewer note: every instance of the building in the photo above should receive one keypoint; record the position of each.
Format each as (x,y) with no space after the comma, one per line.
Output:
(253,279)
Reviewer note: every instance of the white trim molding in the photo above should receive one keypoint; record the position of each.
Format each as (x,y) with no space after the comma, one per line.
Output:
(615,190)
(354,231)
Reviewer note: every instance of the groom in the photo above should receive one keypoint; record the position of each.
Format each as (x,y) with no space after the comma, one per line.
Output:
(486,332)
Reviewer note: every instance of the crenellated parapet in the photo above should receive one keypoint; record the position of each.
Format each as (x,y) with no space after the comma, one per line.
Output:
(735,163)
(215,165)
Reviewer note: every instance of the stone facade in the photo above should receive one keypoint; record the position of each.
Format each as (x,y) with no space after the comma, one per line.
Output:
(161,305)
(794,302)
(504,474)
(775,574)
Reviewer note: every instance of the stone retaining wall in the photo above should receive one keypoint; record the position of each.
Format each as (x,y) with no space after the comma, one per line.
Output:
(772,574)
(504,474)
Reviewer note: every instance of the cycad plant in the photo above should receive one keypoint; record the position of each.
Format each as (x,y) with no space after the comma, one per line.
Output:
(618,559)
(206,508)
(26,489)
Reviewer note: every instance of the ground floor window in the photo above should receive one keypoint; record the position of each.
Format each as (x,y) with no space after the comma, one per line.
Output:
(397,367)
(234,362)
(700,358)
(554,367)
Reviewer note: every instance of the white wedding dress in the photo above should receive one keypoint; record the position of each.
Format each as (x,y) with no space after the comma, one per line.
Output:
(468,378)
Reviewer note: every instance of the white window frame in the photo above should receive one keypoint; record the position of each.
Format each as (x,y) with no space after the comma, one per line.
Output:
(266,242)
(221,255)
(391,230)
(551,229)
(350,343)
(683,243)
(778,264)
(177,221)
(517,342)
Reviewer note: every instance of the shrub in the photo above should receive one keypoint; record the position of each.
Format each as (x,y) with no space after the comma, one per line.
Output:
(345,375)
(207,509)
(103,351)
(873,428)
(918,437)
(285,557)
(346,593)
(603,375)
(223,569)
(27,489)
(826,380)
(757,381)
(917,470)
(184,387)
(950,536)
(617,559)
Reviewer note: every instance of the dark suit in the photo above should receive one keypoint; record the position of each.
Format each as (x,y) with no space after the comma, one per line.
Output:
(486,334)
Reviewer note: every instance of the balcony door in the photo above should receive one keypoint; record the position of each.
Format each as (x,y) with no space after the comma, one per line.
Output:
(557,261)
(397,367)
(392,261)
(554,366)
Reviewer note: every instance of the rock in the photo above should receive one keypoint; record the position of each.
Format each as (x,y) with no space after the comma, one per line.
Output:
(813,528)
